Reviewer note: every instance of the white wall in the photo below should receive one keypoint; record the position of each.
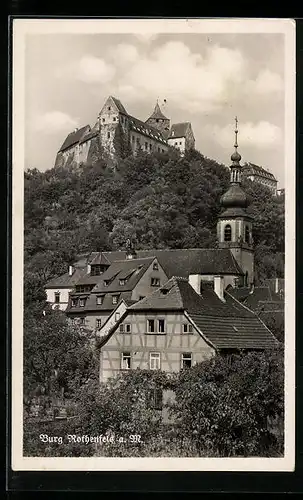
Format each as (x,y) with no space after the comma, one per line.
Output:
(64,296)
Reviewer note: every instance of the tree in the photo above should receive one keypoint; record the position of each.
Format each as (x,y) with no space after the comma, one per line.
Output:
(227,405)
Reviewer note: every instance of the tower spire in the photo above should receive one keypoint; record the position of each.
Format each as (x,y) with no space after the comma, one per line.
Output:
(235,174)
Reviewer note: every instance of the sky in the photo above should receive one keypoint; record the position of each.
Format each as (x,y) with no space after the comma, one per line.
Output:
(205,78)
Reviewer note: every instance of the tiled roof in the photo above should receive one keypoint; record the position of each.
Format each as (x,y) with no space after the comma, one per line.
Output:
(258,298)
(89,135)
(157,113)
(252,169)
(107,303)
(146,129)
(119,105)
(74,137)
(225,324)
(65,280)
(178,130)
(118,268)
(99,259)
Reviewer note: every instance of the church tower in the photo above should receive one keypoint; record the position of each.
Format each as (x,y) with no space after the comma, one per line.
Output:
(159,121)
(234,226)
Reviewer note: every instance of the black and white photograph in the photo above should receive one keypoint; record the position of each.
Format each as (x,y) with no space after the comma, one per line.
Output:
(153,166)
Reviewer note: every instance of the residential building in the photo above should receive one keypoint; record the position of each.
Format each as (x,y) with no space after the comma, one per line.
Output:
(182,323)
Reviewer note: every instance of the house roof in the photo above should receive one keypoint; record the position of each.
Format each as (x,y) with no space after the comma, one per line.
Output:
(179,130)
(134,268)
(226,324)
(99,259)
(107,303)
(252,169)
(157,113)
(74,137)
(259,298)
(65,280)
(89,135)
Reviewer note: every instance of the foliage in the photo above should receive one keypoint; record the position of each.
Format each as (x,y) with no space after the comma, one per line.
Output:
(225,405)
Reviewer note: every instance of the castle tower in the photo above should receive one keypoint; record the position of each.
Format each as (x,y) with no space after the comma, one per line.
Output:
(159,121)
(234,228)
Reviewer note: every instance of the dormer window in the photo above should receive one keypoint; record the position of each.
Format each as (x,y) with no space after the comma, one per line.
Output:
(106,282)
(74,302)
(115,299)
(82,302)
(122,282)
(99,300)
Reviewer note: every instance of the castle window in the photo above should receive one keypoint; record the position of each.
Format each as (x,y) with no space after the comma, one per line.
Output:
(246,234)
(114,119)
(108,135)
(180,143)
(157,120)
(227,232)
(103,120)
(108,108)
(176,144)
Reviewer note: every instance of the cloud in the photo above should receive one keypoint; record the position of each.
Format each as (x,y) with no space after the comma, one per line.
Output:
(263,135)
(146,37)
(186,79)
(266,82)
(124,54)
(88,69)
(54,121)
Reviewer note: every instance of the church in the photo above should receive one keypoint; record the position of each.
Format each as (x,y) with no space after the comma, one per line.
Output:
(155,292)
(118,133)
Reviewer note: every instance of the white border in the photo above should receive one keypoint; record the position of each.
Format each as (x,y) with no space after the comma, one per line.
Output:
(24,27)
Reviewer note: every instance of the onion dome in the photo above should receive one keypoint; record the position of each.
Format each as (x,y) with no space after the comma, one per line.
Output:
(236,157)
(234,197)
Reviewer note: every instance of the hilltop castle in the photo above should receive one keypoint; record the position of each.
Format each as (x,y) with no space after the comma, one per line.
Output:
(118,133)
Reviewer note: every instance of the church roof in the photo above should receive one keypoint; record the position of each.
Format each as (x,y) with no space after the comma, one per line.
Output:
(74,137)
(157,114)
(179,130)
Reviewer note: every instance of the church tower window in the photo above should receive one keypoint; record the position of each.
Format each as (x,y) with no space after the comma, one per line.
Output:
(227,232)
(246,234)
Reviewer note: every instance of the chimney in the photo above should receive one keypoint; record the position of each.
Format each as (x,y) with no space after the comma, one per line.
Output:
(70,270)
(219,287)
(88,268)
(195,281)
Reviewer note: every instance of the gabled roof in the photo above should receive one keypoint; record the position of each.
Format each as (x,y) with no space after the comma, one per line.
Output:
(89,135)
(74,137)
(119,105)
(226,325)
(258,298)
(179,130)
(118,268)
(157,114)
(99,259)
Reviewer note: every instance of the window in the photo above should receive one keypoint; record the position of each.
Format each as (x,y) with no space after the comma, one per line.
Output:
(98,323)
(186,361)
(103,120)
(187,328)
(115,299)
(163,151)
(82,321)
(133,138)
(155,282)
(96,270)
(150,147)
(99,300)
(151,326)
(161,325)
(74,302)
(82,302)
(57,297)
(108,135)
(156,398)
(176,144)
(227,232)
(114,119)
(157,120)
(108,108)
(154,361)
(180,143)
(246,234)
(128,328)
(125,361)
(117,316)
(121,328)
(106,282)
(122,282)
(155,266)
(146,145)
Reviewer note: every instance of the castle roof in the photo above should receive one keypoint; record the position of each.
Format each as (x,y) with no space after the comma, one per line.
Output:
(179,130)
(74,137)
(119,105)
(157,114)
(146,129)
